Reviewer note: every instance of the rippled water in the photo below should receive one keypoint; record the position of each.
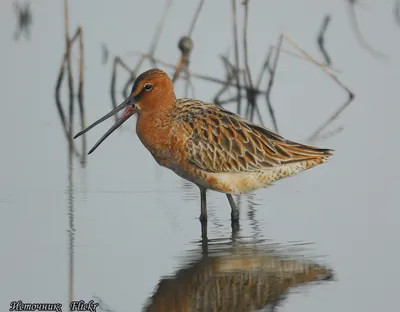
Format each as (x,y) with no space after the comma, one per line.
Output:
(112,231)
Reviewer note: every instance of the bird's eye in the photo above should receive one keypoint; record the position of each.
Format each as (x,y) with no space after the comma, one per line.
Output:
(148,87)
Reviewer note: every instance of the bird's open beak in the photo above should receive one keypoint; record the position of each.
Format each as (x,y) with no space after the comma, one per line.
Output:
(130,109)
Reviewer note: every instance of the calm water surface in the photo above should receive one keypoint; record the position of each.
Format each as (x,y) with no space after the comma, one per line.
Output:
(126,223)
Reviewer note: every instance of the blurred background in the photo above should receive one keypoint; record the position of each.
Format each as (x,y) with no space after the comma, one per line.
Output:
(111,226)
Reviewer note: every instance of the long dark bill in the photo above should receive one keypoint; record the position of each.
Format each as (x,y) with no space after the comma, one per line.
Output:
(129,111)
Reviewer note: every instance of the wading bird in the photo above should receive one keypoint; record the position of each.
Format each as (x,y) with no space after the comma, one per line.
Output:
(206,144)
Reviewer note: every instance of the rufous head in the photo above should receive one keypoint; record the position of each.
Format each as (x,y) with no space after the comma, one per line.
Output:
(152,91)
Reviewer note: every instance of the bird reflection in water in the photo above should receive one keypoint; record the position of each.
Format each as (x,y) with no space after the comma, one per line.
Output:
(234,277)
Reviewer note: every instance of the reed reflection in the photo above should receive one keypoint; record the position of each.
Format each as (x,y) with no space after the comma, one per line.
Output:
(71,230)
(235,276)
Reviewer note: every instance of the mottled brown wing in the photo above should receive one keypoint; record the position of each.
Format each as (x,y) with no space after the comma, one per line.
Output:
(221,141)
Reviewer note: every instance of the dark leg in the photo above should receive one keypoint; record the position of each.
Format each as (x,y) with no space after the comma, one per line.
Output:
(204,238)
(203,214)
(235,210)
(234,216)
